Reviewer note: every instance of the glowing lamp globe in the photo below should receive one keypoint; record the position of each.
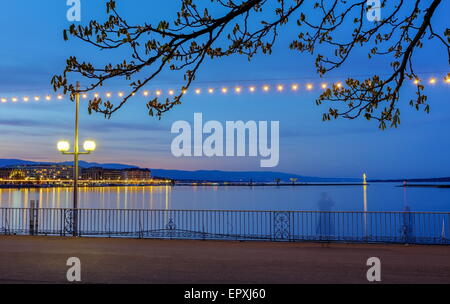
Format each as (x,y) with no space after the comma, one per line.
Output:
(89,145)
(63,146)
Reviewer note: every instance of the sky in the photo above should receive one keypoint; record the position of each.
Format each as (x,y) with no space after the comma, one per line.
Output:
(32,50)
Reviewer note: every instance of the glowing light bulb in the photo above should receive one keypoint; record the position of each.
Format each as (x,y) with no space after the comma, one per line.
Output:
(63,146)
(447,79)
(59,97)
(108,95)
(84,96)
(294,87)
(324,86)
(4,100)
(158,93)
(252,89)
(210,90)
(432,80)
(89,145)
(184,91)
(14,99)
(224,90)
(416,81)
(238,89)
(197,91)
(309,86)
(96,95)
(266,88)
(26,99)
(120,94)
(36,98)
(280,88)
(171,92)
(48,97)
(145,93)
(339,85)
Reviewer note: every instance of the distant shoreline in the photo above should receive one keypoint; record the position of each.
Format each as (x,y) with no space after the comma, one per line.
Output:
(192,184)
(424,186)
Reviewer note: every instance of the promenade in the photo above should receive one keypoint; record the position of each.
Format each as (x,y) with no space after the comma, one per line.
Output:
(43,260)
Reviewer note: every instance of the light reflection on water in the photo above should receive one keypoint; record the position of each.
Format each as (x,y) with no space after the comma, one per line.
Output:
(374,197)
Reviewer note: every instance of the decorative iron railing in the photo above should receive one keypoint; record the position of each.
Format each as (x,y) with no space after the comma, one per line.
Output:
(388,227)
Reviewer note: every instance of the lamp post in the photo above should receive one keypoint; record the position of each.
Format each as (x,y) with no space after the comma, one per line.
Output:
(64,147)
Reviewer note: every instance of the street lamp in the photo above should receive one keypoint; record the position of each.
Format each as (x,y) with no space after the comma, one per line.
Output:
(64,147)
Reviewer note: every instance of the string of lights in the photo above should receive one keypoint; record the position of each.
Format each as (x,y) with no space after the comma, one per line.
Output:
(224,89)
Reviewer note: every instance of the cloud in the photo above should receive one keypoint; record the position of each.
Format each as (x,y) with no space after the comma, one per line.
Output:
(95,126)
(108,125)
(29,123)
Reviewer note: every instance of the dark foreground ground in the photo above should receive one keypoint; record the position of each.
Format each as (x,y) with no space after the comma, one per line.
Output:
(43,260)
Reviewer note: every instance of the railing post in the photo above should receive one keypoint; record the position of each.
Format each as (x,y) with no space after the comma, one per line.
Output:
(34,217)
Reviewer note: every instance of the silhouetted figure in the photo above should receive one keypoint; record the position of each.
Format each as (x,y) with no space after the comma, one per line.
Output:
(325,227)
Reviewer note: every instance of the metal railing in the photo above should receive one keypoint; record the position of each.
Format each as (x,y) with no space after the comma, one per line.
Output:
(388,227)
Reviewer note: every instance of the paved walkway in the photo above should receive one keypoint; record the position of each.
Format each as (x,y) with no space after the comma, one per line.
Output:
(43,260)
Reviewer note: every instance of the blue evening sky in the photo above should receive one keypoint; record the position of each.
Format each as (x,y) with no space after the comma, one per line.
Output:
(32,50)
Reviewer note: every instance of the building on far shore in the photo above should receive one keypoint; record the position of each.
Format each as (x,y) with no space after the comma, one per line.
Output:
(5,173)
(38,172)
(93,173)
(98,173)
(136,174)
(112,174)
(63,172)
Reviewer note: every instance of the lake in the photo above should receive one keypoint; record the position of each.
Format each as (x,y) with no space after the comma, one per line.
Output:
(374,197)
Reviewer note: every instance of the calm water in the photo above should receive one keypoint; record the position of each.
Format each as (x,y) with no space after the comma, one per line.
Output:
(375,197)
